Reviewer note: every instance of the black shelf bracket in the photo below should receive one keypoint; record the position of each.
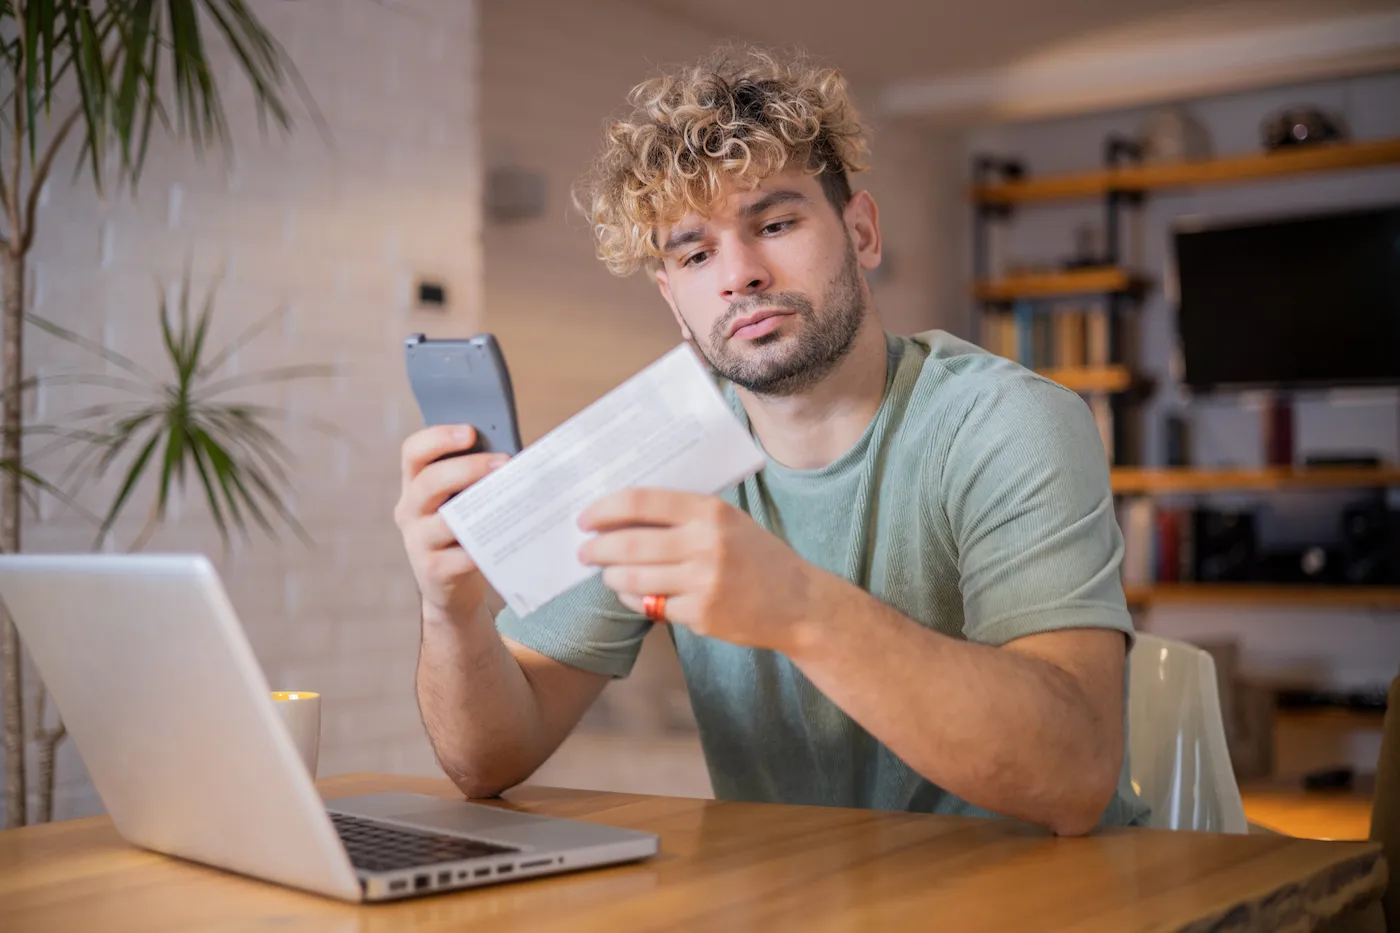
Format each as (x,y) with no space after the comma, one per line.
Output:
(990,169)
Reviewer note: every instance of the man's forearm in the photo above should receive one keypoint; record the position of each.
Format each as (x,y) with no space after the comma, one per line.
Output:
(481,714)
(1011,733)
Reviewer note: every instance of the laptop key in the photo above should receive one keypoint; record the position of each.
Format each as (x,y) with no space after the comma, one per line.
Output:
(379,847)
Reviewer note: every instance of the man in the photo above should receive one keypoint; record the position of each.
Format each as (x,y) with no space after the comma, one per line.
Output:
(914,605)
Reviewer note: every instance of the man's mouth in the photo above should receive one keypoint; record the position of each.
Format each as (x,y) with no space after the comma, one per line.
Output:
(754,325)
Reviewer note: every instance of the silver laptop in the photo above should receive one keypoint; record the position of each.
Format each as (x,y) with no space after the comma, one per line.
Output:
(145,659)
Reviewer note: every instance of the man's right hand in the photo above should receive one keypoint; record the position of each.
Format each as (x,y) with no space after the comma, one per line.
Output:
(447,577)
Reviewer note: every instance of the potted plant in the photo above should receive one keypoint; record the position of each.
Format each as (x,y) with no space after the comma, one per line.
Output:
(102,74)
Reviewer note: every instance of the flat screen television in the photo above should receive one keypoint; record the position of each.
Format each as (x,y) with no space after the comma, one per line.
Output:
(1301,302)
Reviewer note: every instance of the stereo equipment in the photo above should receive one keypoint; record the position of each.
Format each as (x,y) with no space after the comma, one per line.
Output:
(1225,546)
(1370,552)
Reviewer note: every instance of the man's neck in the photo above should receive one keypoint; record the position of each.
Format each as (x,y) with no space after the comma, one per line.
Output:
(814,428)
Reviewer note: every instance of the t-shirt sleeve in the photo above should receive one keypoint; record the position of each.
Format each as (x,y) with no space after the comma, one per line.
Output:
(1025,485)
(585,627)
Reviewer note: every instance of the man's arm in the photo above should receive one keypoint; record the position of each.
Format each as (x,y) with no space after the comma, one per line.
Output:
(1024,717)
(494,710)
(1031,729)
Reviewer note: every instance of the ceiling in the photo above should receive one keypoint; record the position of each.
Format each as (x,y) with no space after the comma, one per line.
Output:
(904,44)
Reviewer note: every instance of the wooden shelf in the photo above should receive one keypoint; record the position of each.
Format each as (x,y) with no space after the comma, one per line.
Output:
(1296,161)
(1335,718)
(1091,378)
(1099,279)
(1299,595)
(1186,479)
(1283,805)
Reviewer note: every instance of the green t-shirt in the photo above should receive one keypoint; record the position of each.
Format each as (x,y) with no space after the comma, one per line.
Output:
(976,503)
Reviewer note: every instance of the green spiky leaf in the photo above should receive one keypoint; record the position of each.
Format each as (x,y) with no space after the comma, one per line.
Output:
(181,424)
(123,58)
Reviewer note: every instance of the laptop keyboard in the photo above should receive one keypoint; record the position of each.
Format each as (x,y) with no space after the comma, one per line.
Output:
(377,847)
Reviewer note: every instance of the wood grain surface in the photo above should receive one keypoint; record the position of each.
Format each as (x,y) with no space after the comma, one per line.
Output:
(732,867)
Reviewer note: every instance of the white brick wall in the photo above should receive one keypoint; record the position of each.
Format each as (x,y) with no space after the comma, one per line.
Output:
(338,232)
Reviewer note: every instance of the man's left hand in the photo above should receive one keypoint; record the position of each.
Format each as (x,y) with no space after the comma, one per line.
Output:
(722,575)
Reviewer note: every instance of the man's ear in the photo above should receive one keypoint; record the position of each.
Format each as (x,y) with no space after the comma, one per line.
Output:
(663,283)
(862,218)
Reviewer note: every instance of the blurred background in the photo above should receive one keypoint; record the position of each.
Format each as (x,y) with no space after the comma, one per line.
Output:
(435,199)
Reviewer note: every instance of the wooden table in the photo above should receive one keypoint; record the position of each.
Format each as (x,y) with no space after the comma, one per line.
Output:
(731,867)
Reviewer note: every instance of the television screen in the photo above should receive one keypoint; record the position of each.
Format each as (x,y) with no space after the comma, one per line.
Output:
(1294,303)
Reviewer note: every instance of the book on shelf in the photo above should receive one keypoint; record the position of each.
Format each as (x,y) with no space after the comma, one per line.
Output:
(1167,553)
(1042,341)
(1024,315)
(1136,517)
(1096,342)
(1069,342)
(1128,340)
(1158,542)
(1055,337)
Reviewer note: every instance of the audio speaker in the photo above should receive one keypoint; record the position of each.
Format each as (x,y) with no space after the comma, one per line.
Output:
(1370,545)
(1225,545)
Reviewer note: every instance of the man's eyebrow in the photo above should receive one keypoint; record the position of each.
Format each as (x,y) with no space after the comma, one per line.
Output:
(773,200)
(681,238)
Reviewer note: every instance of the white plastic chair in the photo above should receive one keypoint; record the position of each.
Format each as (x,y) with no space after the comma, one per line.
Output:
(1180,764)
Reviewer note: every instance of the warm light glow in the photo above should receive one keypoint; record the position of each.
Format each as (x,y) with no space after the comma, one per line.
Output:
(293,695)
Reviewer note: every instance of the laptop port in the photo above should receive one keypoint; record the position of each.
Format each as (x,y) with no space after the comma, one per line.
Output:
(421,881)
(504,869)
(481,873)
(444,877)
(398,884)
(536,864)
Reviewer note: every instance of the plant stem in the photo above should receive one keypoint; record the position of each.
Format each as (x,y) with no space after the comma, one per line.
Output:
(48,741)
(41,174)
(11,360)
(11,418)
(20,215)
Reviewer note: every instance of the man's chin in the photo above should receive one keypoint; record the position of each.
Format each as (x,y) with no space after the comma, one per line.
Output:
(768,378)
(772,354)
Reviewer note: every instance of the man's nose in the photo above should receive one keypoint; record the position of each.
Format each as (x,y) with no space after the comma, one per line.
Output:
(745,273)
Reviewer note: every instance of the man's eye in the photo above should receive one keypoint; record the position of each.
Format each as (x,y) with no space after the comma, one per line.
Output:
(777,226)
(695,258)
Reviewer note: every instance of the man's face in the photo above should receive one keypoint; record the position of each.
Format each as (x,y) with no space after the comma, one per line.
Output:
(768,287)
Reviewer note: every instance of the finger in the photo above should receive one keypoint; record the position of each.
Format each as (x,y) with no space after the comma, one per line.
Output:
(449,563)
(642,506)
(430,533)
(634,546)
(678,609)
(423,447)
(438,482)
(639,580)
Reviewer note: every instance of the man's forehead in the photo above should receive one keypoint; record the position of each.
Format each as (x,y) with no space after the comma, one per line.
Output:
(735,202)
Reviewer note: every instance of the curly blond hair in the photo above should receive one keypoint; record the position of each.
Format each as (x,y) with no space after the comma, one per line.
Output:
(739,115)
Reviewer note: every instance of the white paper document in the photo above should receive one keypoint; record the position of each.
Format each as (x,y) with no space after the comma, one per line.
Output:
(668,426)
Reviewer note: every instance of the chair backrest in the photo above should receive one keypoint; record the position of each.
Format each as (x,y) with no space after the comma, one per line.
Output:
(1179,761)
